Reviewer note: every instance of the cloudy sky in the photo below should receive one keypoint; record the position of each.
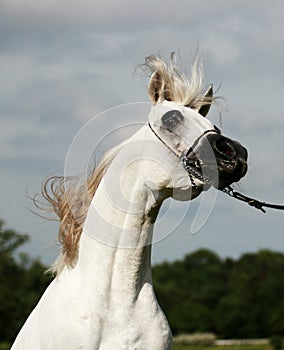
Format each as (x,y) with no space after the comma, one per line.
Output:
(64,62)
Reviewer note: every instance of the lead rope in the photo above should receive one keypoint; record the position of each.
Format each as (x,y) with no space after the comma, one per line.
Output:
(251,201)
(228,190)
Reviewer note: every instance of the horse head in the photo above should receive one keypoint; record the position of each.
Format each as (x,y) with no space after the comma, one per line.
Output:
(178,120)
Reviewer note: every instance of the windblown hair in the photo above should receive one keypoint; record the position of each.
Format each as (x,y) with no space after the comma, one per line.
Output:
(176,86)
(70,197)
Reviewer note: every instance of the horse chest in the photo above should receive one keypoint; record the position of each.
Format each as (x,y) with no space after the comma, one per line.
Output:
(128,324)
(134,329)
(97,321)
(141,325)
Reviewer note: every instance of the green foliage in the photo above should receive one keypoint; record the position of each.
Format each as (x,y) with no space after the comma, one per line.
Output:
(202,293)
(22,281)
(5,346)
(241,298)
(233,347)
(276,342)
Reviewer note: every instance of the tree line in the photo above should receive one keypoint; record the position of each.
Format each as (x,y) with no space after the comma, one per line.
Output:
(242,298)
(22,281)
(233,298)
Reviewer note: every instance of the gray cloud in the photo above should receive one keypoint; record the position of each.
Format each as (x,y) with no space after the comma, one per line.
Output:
(64,62)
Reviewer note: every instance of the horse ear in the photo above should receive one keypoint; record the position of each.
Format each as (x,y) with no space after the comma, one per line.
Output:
(156,88)
(208,97)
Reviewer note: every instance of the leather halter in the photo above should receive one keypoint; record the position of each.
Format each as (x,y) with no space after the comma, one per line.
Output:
(187,163)
(193,174)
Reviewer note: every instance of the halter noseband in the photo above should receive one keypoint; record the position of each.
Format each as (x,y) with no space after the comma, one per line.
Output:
(193,174)
(185,161)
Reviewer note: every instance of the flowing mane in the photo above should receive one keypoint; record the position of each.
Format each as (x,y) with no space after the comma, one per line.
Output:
(70,199)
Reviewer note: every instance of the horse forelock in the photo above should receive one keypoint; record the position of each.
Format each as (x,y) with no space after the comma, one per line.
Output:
(176,85)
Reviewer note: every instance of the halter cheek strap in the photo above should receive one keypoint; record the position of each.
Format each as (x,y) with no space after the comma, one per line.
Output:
(194,174)
(182,153)
(163,142)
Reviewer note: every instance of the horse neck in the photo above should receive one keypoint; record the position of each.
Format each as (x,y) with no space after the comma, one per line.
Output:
(115,245)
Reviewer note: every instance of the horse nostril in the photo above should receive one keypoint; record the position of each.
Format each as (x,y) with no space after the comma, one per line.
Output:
(223,147)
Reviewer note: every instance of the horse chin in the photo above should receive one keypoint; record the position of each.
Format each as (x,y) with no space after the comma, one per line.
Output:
(222,180)
(222,174)
(228,178)
(214,177)
(223,184)
(186,194)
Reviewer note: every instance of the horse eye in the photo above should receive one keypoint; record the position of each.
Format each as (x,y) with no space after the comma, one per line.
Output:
(171,119)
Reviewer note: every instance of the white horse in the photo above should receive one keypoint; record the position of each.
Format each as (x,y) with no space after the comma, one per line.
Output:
(103,297)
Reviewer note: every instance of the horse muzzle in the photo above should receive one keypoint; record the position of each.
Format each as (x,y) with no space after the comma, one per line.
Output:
(219,160)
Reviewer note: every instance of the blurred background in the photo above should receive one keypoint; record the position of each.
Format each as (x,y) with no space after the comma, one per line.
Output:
(64,62)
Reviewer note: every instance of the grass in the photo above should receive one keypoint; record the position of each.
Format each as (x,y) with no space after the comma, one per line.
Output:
(233,347)
(4,346)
